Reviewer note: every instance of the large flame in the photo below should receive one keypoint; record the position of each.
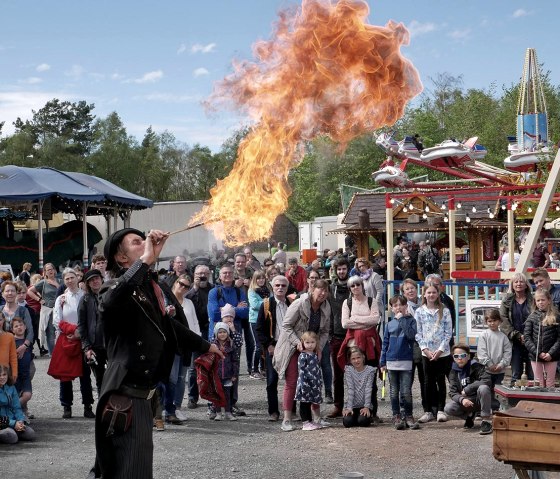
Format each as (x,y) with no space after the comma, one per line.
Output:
(325,71)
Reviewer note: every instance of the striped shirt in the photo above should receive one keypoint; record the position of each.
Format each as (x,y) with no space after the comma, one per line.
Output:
(358,386)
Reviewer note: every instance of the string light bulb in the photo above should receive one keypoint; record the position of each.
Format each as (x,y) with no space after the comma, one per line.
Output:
(474,209)
(503,207)
(425,216)
(557,207)
(529,210)
(467,218)
(445,219)
(405,209)
(459,205)
(443,206)
(392,201)
(427,209)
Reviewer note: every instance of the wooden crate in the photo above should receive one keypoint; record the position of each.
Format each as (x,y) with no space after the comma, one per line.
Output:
(528,433)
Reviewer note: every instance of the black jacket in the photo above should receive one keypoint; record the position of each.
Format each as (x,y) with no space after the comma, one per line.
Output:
(266,323)
(199,298)
(541,339)
(339,292)
(89,326)
(478,376)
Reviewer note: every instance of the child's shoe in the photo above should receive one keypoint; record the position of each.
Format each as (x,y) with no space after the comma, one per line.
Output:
(396,420)
(322,422)
(411,423)
(230,417)
(426,417)
(485,427)
(310,426)
(287,426)
(441,416)
(220,416)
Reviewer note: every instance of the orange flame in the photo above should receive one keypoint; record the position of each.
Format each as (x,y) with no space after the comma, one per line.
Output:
(325,71)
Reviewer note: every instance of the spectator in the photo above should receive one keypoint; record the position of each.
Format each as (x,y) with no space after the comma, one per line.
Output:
(280,256)
(179,268)
(469,390)
(541,258)
(8,355)
(433,322)
(358,381)
(13,427)
(23,383)
(99,262)
(25,274)
(252,262)
(269,325)
(258,292)
(542,338)
(514,311)
(373,283)
(429,260)
(541,278)
(296,276)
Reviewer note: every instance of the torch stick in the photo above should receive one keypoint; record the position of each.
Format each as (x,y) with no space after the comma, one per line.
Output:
(186,228)
(383,387)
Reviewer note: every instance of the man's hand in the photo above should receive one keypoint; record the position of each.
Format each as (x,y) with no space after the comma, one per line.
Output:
(196,283)
(214,349)
(467,403)
(155,240)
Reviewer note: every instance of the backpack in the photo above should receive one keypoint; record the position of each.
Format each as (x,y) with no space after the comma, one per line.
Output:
(431,262)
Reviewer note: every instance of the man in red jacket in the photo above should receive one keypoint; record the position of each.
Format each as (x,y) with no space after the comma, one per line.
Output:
(296,275)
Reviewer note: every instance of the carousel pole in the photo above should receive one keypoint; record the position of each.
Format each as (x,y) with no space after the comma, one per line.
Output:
(85,254)
(540,215)
(452,238)
(511,234)
(389,248)
(40,231)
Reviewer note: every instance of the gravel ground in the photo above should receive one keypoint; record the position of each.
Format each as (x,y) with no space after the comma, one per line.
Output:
(252,447)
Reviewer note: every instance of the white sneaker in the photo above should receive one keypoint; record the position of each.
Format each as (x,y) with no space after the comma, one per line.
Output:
(230,417)
(322,422)
(441,416)
(426,417)
(180,415)
(219,417)
(287,426)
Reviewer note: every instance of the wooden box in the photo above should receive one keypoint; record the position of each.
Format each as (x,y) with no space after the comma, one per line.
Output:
(528,433)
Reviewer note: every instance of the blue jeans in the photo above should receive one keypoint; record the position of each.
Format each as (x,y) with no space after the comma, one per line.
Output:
(400,391)
(271,385)
(257,350)
(520,357)
(180,387)
(326,369)
(171,385)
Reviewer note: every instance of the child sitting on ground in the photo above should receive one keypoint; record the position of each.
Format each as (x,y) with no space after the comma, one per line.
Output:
(310,382)
(12,427)
(396,358)
(228,367)
(358,381)
(494,349)
(469,390)
(23,382)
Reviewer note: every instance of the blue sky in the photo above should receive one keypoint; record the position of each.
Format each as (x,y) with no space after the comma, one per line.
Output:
(154,62)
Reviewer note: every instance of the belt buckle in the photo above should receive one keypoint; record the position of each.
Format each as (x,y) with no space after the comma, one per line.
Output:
(151,394)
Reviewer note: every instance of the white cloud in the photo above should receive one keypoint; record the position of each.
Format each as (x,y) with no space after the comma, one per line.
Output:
(182,49)
(198,48)
(520,12)
(75,72)
(150,77)
(460,34)
(43,67)
(31,80)
(200,72)
(19,103)
(416,28)
(117,76)
(169,98)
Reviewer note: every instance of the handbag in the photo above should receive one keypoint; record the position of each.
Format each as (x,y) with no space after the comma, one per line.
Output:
(117,414)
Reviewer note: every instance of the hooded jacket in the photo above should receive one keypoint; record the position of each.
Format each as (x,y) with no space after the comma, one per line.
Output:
(339,292)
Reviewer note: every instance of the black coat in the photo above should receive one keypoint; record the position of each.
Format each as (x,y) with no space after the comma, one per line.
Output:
(89,326)
(544,339)
(266,323)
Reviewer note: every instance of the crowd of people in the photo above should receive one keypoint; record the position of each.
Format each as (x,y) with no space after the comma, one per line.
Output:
(316,327)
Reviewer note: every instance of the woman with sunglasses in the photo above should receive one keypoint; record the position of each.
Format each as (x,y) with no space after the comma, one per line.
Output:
(360,317)
(175,387)
(258,291)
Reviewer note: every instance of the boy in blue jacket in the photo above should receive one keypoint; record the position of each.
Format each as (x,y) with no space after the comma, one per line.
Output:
(396,358)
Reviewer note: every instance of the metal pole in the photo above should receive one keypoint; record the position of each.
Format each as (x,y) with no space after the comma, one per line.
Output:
(452,238)
(85,254)
(511,234)
(40,230)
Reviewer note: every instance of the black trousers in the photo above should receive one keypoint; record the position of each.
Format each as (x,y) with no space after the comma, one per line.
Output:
(131,454)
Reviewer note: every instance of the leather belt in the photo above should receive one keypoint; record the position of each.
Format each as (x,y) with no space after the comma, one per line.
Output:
(138,393)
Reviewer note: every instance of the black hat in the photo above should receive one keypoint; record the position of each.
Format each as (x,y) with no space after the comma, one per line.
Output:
(113,242)
(92,273)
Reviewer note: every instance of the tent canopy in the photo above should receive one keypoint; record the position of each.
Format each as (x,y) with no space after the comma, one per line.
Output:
(67,190)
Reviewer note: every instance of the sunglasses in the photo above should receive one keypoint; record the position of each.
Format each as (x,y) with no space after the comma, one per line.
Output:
(183,285)
(280,286)
(355,285)
(460,356)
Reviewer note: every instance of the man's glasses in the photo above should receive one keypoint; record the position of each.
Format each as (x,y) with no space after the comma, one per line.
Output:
(183,285)
(460,356)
